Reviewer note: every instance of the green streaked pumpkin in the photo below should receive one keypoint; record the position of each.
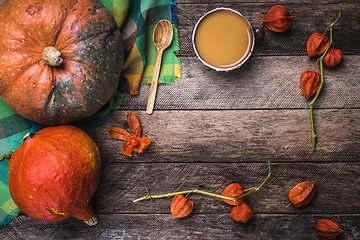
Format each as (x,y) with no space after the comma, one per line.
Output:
(60,60)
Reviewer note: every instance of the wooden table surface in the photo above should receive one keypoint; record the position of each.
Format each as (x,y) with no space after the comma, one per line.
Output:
(212,129)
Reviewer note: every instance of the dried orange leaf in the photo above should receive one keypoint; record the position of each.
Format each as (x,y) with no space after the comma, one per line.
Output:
(127,149)
(333,57)
(181,206)
(317,44)
(143,143)
(310,82)
(133,142)
(302,193)
(328,229)
(119,133)
(234,190)
(242,213)
(134,124)
(277,19)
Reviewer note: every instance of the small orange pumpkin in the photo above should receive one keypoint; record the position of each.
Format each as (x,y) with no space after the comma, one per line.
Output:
(60,60)
(54,174)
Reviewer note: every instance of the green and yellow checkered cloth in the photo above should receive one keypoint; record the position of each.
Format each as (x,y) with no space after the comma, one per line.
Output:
(140,50)
(136,19)
(13,127)
(8,208)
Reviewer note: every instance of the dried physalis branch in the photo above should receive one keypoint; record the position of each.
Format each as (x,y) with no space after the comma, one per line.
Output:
(327,229)
(302,193)
(317,44)
(181,206)
(333,57)
(233,190)
(132,142)
(310,82)
(242,213)
(277,19)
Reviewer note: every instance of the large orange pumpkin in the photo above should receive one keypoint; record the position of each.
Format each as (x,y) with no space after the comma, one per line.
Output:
(60,60)
(54,174)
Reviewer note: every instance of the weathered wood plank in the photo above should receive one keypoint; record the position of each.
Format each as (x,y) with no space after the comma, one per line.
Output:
(257,1)
(196,226)
(338,186)
(237,136)
(261,83)
(315,18)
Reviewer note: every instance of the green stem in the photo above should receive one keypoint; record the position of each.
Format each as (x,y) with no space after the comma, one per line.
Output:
(257,188)
(148,196)
(313,135)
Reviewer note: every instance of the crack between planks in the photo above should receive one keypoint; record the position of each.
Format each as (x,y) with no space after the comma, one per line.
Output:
(258,214)
(240,109)
(272,162)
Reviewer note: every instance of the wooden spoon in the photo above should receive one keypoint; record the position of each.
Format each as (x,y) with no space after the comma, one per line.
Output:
(163,34)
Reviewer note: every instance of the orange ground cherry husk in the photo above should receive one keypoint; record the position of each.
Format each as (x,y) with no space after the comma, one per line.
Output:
(242,213)
(333,57)
(234,190)
(317,44)
(327,229)
(181,206)
(277,19)
(132,142)
(310,82)
(302,193)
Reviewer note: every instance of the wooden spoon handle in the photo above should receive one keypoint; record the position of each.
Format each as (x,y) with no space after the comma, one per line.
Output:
(154,82)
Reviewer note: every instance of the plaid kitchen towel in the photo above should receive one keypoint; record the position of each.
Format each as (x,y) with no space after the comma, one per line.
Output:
(8,209)
(140,50)
(136,19)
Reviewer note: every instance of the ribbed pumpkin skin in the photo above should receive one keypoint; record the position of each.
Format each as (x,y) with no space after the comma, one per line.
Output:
(54,174)
(91,47)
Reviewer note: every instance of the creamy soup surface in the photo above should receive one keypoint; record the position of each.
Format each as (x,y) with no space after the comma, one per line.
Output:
(223,39)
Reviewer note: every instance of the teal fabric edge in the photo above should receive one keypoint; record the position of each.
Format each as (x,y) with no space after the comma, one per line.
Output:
(8,218)
(14,212)
(162,79)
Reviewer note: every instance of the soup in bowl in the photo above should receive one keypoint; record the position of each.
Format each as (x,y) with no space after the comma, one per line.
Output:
(223,39)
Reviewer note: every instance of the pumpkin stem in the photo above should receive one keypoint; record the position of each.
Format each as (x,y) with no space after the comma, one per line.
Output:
(52,56)
(28,136)
(92,221)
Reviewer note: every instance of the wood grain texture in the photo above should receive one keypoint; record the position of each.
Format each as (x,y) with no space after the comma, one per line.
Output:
(211,129)
(198,226)
(315,17)
(237,136)
(261,83)
(338,186)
